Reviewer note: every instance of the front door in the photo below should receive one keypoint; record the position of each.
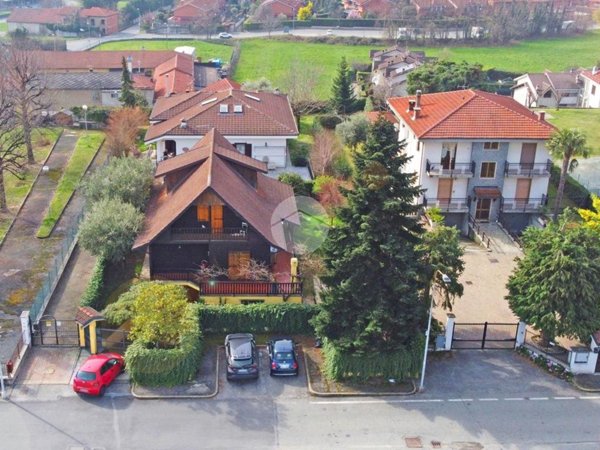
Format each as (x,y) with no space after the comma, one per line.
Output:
(482,211)
(522,193)
(528,156)
(216,218)
(444,193)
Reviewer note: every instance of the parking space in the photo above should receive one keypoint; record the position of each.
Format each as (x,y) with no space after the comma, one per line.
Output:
(266,385)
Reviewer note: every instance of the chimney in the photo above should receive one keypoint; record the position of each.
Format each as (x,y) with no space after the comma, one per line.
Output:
(411,105)
(183,123)
(418,104)
(542,115)
(130,64)
(417,107)
(594,70)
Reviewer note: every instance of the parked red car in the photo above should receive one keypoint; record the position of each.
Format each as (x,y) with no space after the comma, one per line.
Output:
(97,372)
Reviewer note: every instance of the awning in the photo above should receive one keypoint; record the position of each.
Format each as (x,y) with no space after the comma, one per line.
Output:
(487,192)
(86,315)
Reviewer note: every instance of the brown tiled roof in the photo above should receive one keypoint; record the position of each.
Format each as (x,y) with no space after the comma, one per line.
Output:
(96,11)
(214,172)
(87,314)
(100,60)
(590,75)
(263,114)
(41,15)
(470,114)
(175,75)
(372,116)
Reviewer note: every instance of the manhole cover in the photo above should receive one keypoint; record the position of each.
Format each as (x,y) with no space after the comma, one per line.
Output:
(493,260)
(413,442)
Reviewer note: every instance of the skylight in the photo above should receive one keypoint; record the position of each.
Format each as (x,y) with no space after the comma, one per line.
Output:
(210,100)
(252,97)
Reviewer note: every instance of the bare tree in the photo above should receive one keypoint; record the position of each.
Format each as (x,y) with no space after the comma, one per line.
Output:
(324,152)
(122,130)
(270,22)
(255,271)
(29,89)
(11,136)
(207,22)
(300,85)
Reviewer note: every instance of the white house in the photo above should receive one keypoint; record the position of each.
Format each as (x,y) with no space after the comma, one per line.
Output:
(477,155)
(548,89)
(390,68)
(591,88)
(258,124)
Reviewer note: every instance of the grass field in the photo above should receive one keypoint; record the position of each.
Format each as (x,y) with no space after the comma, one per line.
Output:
(204,50)
(3,26)
(86,148)
(17,189)
(587,120)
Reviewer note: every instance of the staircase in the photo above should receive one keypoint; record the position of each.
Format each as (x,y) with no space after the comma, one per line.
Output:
(499,240)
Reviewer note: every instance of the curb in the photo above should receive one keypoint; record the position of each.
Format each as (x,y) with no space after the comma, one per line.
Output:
(584,389)
(32,185)
(187,396)
(315,393)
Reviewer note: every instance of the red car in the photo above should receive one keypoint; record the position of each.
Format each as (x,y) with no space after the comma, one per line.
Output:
(97,372)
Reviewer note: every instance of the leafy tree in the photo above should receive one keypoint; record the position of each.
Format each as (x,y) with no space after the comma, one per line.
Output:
(342,95)
(305,12)
(122,130)
(119,312)
(109,229)
(297,183)
(591,217)
(159,314)
(127,97)
(566,144)
(301,87)
(373,297)
(554,286)
(353,131)
(111,4)
(126,179)
(443,76)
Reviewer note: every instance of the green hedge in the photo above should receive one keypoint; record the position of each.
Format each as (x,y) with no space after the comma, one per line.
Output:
(576,192)
(399,365)
(292,318)
(166,367)
(93,291)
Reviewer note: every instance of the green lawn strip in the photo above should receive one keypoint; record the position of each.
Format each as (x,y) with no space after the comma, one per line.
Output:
(17,189)
(3,26)
(86,148)
(204,50)
(587,120)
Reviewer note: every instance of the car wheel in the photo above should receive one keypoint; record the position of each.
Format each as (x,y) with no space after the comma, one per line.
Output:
(102,391)
(271,373)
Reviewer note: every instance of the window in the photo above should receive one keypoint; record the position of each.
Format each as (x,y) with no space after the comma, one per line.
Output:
(491,145)
(488,170)
(202,213)
(240,147)
(548,94)
(224,109)
(237,108)
(102,21)
(593,90)
(114,94)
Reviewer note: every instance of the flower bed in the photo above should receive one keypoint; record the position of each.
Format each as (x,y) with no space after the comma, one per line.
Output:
(549,366)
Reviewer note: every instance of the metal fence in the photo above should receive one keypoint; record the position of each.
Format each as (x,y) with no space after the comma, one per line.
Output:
(112,340)
(490,336)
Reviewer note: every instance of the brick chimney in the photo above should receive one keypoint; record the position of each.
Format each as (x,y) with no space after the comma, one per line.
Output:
(542,115)
(417,107)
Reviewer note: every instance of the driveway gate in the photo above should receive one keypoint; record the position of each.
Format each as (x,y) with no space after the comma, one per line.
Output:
(484,336)
(57,332)
(112,340)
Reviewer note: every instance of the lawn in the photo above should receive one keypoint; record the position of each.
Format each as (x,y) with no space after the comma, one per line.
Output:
(204,50)
(3,27)
(86,148)
(17,189)
(587,120)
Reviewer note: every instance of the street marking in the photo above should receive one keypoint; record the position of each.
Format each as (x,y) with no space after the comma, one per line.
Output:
(367,402)
(511,399)
(564,398)
(590,397)
(450,400)
(488,399)
(460,399)
(538,398)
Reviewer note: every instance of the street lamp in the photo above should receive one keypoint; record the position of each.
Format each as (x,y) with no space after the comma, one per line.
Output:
(85,108)
(447,280)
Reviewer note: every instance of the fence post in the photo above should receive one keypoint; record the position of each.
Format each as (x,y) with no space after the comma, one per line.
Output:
(25,328)
(450,319)
(484,335)
(520,337)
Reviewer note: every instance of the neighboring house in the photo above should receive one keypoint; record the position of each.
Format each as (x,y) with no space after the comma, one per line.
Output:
(258,124)
(390,68)
(591,88)
(192,11)
(548,89)
(212,206)
(67,90)
(478,156)
(368,8)
(436,8)
(288,8)
(40,20)
(106,21)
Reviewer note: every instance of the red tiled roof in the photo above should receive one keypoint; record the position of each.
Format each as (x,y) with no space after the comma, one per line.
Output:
(87,314)
(263,114)
(470,114)
(594,77)
(175,75)
(41,15)
(96,11)
(221,85)
(100,60)
(141,81)
(214,171)
(372,116)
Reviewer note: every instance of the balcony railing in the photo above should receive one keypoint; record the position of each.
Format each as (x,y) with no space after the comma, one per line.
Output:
(448,204)
(451,169)
(522,205)
(230,287)
(528,169)
(207,234)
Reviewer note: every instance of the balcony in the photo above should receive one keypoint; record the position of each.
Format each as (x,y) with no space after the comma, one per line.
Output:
(528,170)
(188,234)
(522,205)
(458,205)
(450,169)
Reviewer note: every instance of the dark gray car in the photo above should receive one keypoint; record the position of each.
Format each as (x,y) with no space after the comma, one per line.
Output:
(242,357)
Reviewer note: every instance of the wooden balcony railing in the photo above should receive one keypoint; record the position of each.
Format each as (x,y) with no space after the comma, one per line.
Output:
(522,205)
(448,204)
(451,169)
(207,234)
(528,169)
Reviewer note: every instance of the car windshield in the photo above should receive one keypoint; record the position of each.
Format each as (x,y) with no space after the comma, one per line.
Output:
(241,362)
(86,376)
(283,355)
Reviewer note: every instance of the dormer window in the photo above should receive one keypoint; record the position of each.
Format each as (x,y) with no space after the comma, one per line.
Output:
(237,109)
(223,109)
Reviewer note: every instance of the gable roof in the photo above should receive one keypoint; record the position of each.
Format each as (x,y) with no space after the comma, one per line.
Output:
(212,168)
(263,114)
(175,75)
(41,15)
(93,81)
(471,114)
(591,75)
(100,60)
(96,11)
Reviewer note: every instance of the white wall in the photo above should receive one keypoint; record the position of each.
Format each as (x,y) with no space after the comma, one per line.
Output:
(32,28)
(521,95)
(514,151)
(589,100)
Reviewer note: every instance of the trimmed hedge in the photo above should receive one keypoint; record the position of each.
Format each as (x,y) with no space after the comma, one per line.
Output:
(399,365)
(166,367)
(330,121)
(289,318)
(93,291)
(574,190)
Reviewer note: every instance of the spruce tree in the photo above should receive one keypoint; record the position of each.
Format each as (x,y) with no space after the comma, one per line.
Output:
(127,97)
(342,94)
(374,280)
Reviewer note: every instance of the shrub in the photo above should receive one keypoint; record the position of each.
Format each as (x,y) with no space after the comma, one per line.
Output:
(321,181)
(400,365)
(342,167)
(299,152)
(298,184)
(330,121)
(575,191)
(93,291)
(289,318)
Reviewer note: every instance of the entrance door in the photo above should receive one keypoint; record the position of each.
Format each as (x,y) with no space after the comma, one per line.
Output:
(235,261)
(216,218)
(482,210)
(528,156)
(444,193)
(522,192)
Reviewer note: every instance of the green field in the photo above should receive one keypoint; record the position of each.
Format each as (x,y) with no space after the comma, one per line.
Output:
(86,148)
(3,27)
(204,50)
(587,120)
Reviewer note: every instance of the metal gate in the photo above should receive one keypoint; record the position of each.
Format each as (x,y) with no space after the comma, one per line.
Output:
(51,331)
(112,340)
(484,336)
